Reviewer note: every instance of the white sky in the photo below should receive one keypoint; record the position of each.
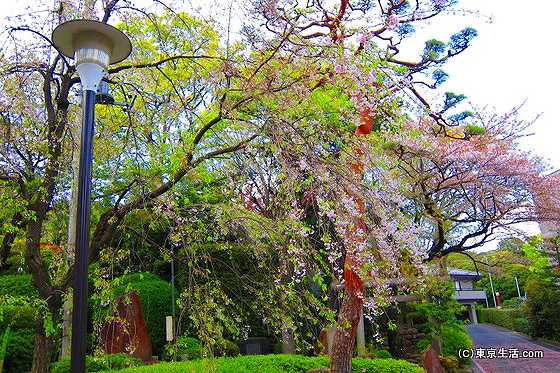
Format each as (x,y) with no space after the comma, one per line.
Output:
(512,60)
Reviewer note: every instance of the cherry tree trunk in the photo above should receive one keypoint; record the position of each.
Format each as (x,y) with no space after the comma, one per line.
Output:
(43,347)
(348,320)
(353,299)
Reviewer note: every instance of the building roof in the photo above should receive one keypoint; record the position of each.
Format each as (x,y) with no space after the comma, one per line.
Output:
(456,272)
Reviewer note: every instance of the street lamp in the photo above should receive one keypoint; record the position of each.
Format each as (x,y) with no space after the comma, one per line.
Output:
(93,45)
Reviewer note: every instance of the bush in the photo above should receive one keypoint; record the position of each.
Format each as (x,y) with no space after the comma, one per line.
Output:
(227,348)
(383,354)
(510,318)
(521,324)
(17,317)
(541,308)
(480,315)
(454,338)
(512,303)
(384,366)
(450,363)
(188,347)
(373,351)
(17,286)
(275,364)
(19,353)
(98,363)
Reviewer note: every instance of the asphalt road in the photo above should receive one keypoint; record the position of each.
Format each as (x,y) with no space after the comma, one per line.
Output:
(499,350)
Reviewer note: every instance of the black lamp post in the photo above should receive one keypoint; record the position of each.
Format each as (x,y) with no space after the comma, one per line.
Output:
(93,45)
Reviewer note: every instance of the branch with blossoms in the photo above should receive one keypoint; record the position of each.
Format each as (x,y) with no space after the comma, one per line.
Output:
(465,191)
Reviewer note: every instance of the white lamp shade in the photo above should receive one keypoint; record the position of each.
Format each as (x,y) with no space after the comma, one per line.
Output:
(72,35)
(93,45)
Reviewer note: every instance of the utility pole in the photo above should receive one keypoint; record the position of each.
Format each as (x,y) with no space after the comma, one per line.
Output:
(518,289)
(491,284)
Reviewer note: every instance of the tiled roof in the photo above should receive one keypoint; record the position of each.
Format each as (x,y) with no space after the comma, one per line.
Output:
(456,272)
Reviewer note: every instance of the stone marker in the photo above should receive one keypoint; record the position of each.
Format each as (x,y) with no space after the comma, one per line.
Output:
(127,332)
(430,360)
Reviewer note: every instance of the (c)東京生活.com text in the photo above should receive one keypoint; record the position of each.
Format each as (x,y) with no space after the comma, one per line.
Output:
(499,353)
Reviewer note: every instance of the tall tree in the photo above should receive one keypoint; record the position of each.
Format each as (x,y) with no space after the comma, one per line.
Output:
(37,110)
(342,27)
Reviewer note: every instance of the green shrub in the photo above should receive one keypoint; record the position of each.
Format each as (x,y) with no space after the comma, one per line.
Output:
(455,338)
(450,364)
(185,348)
(480,315)
(275,364)
(19,353)
(272,364)
(18,285)
(384,366)
(383,354)
(226,348)
(541,308)
(17,317)
(422,344)
(512,303)
(373,351)
(98,363)
(521,324)
(508,318)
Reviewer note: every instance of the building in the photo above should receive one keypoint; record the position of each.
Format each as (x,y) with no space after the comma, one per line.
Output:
(465,293)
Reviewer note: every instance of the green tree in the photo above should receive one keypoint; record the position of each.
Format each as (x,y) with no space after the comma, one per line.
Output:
(37,113)
(541,307)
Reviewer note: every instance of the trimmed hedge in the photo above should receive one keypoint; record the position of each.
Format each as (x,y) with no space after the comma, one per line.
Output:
(275,364)
(19,353)
(98,363)
(17,317)
(509,318)
(19,285)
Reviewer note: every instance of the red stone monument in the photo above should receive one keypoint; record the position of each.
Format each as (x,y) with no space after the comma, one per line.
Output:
(126,331)
(430,360)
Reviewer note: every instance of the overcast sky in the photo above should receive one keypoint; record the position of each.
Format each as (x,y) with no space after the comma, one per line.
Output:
(513,60)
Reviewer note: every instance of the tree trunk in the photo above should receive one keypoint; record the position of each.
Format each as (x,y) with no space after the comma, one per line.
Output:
(43,347)
(345,336)
(9,237)
(348,319)
(5,248)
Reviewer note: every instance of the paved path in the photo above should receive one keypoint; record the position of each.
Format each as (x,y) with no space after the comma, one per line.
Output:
(499,350)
